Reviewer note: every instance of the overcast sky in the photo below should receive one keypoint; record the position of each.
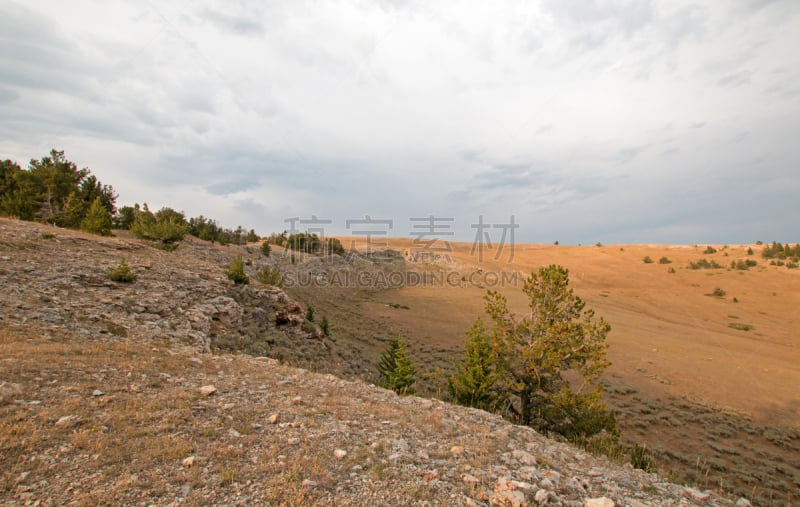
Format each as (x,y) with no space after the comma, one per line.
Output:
(612,121)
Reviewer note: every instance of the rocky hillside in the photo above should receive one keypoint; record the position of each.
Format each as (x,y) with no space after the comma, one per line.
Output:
(123,394)
(59,278)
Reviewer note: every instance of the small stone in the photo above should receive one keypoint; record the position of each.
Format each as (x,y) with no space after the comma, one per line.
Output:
(469,479)
(185,490)
(506,494)
(308,483)
(743,502)
(8,391)
(598,502)
(700,496)
(235,434)
(340,453)
(541,496)
(273,419)
(523,457)
(188,462)
(456,449)
(208,390)
(547,484)
(293,441)
(97,392)
(68,421)
(297,400)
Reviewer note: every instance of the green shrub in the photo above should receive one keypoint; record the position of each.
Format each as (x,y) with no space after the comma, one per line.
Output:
(647,259)
(265,248)
(236,272)
(323,324)
(792,265)
(122,273)
(671,270)
(167,226)
(705,264)
(269,276)
(310,313)
(710,250)
(664,260)
(718,292)
(640,458)
(47,235)
(740,327)
(750,251)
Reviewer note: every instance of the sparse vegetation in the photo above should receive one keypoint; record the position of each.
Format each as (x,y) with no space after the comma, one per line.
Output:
(780,251)
(664,260)
(236,272)
(647,259)
(324,325)
(310,313)
(743,265)
(265,248)
(705,264)
(710,250)
(739,326)
(122,273)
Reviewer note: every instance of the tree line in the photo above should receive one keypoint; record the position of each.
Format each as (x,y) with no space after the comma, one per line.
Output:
(54,191)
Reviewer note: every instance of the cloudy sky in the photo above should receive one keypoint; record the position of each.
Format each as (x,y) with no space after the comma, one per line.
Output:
(588,120)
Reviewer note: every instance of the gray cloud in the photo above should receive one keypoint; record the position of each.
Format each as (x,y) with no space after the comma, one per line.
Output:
(239,25)
(593,121)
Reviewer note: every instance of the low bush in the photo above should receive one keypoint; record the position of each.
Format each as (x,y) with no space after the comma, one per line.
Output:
(647,259)
(122,273)
(236,272)
(710,250)
(705,264)
(664,260)
(269,276)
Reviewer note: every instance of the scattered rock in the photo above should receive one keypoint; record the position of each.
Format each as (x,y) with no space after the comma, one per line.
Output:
(208,390)
(188,462)
(68,421)
(8,392)
(97,392)
(340,453)
(598,502)
(273,419)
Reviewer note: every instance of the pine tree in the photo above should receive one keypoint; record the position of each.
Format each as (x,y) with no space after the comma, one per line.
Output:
(98,219)
(474,384)
(536,356)
(236,272)
(396,369)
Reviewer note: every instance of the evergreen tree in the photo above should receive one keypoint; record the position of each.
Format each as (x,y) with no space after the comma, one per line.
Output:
(166,226)
(236,272)
(74,212)
(98,219)
(396,369)
(475,381)
(536,355)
